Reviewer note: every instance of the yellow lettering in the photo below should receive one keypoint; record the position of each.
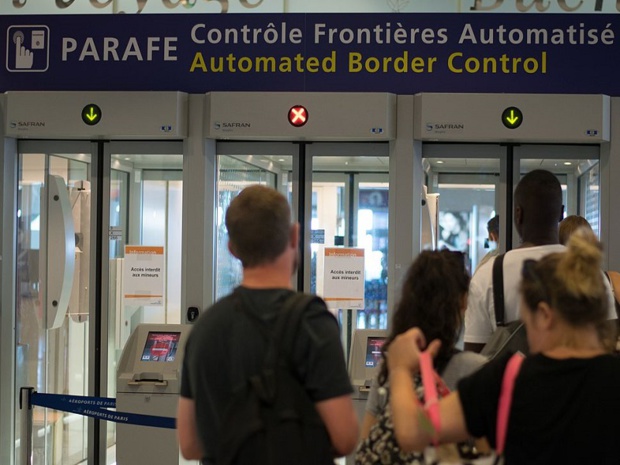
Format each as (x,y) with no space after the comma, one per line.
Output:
(355,62)
(199,62)
(451,59)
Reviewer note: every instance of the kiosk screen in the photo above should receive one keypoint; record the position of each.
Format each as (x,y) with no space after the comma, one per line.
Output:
(160,347)
(373,351)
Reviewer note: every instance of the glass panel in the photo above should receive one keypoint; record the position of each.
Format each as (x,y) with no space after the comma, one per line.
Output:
(234,174)
(350,209)
(466,202)
(577,169)
(53,296)
(589,187)
(146,204)
(372,235)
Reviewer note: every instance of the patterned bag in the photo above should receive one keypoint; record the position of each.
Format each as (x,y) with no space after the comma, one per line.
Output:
(380,447)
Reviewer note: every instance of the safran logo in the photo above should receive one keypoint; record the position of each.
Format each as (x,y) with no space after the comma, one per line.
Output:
(441,128)
(231,125)
(26,124)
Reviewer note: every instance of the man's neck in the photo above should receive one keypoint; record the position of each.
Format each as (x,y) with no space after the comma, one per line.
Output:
(535,240)
(271,276)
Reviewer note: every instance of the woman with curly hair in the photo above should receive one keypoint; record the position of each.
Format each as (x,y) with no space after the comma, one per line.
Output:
(433,297)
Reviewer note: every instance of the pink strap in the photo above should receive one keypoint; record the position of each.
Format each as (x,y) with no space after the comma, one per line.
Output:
(431,400)
(505,399)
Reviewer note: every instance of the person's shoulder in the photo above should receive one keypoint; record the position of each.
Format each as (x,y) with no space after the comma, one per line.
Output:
(317,308)
(220,310)
(535,252)
(483,274)
(611,363)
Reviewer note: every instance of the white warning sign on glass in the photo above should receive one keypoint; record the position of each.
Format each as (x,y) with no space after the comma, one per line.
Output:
(344,278)
(143,275)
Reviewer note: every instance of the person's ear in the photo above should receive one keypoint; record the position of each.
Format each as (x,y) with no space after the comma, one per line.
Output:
(545,315)
(518,215)
(561,213)
(231,249)
(294,235)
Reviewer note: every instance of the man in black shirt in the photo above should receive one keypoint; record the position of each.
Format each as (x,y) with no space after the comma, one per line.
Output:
(262,237)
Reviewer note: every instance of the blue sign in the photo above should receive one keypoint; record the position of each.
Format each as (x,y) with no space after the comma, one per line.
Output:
(399,53)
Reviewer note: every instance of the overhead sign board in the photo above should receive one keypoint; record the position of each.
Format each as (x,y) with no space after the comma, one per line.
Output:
(395,53)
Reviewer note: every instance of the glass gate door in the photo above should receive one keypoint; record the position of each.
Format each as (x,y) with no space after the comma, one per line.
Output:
(347,192)
(67,341)
(53,280)
(577,167)
(473,183)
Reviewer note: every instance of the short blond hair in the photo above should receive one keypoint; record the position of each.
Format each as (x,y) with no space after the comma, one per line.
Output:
(569,225)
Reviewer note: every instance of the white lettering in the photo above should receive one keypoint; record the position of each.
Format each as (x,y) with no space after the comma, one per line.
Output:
(112,49)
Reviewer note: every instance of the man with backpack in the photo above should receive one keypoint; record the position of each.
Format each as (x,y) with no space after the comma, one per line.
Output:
(538,211)
(264,377)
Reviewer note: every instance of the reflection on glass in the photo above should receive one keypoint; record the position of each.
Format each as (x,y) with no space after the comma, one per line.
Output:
(579,178)
(351,210)
(590,193)
(466,203)
(234,174)
(372,235)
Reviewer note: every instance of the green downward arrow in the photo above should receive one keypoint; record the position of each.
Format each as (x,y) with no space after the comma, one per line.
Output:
(512,119)
(92,115)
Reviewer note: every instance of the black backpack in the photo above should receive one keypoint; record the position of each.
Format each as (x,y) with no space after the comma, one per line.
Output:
(271,420)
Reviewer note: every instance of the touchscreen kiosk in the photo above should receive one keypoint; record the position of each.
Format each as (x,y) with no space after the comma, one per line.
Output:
(365,355)
(364,361)
(160,346)
(148,382)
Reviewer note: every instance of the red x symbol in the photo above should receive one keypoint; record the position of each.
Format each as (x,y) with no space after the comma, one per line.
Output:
(298,116)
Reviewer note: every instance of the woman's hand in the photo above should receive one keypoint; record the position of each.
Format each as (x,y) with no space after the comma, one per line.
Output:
(404,350)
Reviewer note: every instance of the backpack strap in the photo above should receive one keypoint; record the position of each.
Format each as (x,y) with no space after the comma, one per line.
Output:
(498,290)
(505,400)
(283,332)
(287,326)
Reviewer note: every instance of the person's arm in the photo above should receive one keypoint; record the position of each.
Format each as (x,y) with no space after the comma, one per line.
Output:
(411,435)
(367,423)
(338,415)
(478,325)
(187,434)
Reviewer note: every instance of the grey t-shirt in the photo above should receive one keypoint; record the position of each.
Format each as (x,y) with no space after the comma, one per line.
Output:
(460,365)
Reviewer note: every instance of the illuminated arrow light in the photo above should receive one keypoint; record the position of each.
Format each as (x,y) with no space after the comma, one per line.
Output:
(512,117)
(298,116)
(91,114)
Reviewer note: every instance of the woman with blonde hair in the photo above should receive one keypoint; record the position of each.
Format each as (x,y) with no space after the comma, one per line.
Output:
(565,396)
(609,330)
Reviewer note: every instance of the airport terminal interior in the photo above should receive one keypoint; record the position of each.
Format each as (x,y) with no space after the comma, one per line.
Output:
(113,203)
